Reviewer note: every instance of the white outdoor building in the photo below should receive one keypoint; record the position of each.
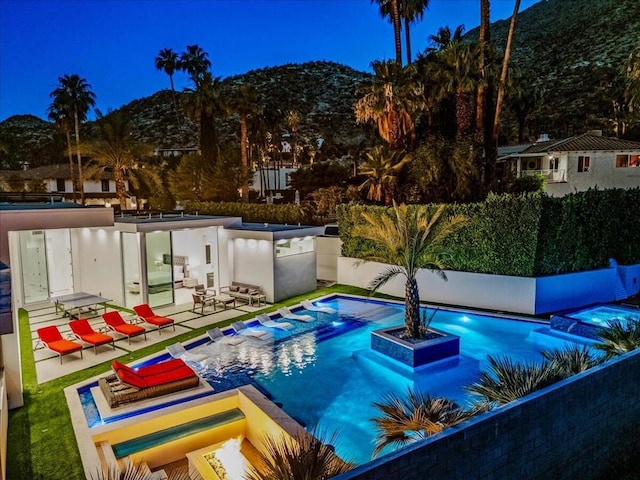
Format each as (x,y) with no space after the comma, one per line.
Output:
(577,163)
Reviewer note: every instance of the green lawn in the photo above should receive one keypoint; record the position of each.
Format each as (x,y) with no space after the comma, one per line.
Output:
(41,443)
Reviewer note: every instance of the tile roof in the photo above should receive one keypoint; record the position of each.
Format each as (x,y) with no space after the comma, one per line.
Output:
(584,143)
(47,171)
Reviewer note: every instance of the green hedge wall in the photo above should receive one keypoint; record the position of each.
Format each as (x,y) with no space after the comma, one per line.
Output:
(290,214)
(532,234)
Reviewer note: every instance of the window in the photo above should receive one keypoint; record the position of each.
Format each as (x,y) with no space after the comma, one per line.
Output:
(584,163)
(626,160)
(105,185)
(60,185)
(553,163)
(634,160)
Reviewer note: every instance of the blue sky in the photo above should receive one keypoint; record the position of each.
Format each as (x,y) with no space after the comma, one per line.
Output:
(113,43)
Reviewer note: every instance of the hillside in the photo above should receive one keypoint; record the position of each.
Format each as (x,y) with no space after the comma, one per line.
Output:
(571,48)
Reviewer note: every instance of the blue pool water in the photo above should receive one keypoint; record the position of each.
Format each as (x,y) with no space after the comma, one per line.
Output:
(324,374)
(601,315)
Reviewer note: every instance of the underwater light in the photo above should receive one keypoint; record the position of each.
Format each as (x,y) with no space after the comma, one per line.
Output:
(464,318)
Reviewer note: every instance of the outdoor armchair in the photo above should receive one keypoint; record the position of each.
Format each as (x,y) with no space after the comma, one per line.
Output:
(83,331)
(52,339)
(116,323)
(145,314)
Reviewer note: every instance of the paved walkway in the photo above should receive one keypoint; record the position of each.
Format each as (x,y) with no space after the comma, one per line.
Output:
(48,364)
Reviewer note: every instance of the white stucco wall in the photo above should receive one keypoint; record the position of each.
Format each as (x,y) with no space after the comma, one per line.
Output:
(328,251)
(602,173)
(253,263)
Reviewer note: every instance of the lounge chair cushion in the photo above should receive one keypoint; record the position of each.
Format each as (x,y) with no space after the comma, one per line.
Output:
(153,375)
(131,378)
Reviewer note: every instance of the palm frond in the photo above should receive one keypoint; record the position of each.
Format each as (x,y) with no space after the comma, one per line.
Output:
(619,337)
(572,359)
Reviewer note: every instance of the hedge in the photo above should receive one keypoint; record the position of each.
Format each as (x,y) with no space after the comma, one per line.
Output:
(531,234)
(289,213)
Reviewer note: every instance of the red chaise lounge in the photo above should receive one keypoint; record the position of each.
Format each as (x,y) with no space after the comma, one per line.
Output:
(131,385)
(116,323)
(83,331)
(52,339)
(145,313)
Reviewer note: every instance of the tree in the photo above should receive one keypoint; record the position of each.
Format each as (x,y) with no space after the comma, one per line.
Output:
(619,337)
(114,151)
(193,179)
(303,457)
(393,9)
(382,167)
(245,101)
(416,417)
(390,101)
(63,121)
(194,61)
(167,61)
(73,95)
(292,121)
(409,240)
(409,11)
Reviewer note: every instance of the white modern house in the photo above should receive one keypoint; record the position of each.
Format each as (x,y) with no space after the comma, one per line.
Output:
(577,163)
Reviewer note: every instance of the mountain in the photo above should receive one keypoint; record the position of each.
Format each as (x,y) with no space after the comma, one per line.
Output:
(572,50)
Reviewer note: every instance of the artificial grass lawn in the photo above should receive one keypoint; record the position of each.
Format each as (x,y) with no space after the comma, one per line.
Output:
(41,444)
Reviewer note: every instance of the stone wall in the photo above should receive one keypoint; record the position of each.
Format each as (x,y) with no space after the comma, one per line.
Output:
(569,430)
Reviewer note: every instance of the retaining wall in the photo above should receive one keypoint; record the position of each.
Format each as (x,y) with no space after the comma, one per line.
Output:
(569,430)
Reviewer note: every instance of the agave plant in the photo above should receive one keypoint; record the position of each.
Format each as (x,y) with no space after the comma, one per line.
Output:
(304,457)
(418,416)
(508,380)
(620,337)
(572,359)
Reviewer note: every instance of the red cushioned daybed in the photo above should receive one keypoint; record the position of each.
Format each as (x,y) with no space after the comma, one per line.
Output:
(131,385)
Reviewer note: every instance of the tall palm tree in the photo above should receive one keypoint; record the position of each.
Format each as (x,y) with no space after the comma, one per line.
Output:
(204,103)
(167,61)
(391,100)
(115,151)
(292,120)
(304,457)
(63,121)
(74,95)
(484,38)
(194,61)
(444,37)
(381,168)
(416,417)
(245,102)
(409,240)
(391,8)
(410,11)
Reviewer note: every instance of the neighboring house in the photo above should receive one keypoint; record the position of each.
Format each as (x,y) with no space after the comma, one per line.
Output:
(175,152)
(577,163)
(56,179)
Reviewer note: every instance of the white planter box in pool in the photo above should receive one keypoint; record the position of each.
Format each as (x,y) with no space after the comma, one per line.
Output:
(414,353)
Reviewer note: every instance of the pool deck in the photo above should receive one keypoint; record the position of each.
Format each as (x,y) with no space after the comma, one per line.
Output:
(49,367)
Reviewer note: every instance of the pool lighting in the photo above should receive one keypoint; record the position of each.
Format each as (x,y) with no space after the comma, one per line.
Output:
(336,324)
(464,318)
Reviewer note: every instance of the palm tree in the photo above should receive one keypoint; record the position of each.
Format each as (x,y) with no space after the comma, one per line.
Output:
(63,121)
(416,417)
(115,151)
(508,380)
(167,61)
(391,8)
(409,240)
(382,167)
(410,11)
(444,37)
(619,337)
(292,120)
(74,95)
(194,61)
(204,103)
(245,101)
(303,457)
(390,101)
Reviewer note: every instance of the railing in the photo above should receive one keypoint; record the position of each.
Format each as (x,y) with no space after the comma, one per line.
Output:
(550,176)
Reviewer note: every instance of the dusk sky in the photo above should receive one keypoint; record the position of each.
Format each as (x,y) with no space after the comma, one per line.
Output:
(113,43)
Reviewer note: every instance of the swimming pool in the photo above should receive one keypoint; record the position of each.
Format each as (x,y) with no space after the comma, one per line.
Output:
(324,374)
(589,322)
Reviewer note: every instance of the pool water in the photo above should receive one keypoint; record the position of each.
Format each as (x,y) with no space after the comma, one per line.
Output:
(324,374)
(601,315)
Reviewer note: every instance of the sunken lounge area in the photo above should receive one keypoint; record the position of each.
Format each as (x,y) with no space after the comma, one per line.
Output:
(219,435)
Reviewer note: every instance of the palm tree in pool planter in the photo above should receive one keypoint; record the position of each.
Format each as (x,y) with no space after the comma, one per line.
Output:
(411,239)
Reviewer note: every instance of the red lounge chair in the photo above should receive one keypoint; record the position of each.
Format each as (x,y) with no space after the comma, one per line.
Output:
(131,385)
(145,313)
(52,339)
(116,323)
(83,331)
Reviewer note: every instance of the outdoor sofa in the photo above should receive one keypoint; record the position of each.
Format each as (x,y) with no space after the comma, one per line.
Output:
(131,385)
(244,291)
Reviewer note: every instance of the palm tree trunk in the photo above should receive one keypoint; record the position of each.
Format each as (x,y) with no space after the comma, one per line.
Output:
(175,107)
(505,68)
(407,40)
(395,15)
(80,176)
(120,190)
(71,172)
(244,159)
(412,307)
(483,41)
